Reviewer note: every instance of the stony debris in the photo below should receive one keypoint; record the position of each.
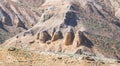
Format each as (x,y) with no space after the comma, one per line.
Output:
(11,49)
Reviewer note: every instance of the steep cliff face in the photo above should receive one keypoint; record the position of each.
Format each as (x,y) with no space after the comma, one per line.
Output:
(66,26)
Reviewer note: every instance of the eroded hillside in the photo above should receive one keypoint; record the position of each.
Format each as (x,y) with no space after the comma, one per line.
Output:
(88,27)
(17,16)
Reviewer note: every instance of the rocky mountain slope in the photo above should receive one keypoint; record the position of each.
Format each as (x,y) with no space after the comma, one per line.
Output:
(17,16)
(88,27)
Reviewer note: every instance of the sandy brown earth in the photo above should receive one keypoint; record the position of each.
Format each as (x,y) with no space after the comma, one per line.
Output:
(88,28)
(69,25)
(21,57)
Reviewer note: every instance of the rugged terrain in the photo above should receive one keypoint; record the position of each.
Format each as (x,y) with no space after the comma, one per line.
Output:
(17,16)
(84,27)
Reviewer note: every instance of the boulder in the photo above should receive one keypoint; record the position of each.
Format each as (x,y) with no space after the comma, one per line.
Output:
(11,49)
(88,58)
(79,51)
(31,42)
(44,36)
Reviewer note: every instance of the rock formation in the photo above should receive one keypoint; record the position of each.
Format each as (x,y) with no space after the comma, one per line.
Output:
(56,36)
(68,38)
(44,36)
(78,40)
(95,25)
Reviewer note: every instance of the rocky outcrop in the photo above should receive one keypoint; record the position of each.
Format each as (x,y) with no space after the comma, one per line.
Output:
(93,22)
(57,35)
(78,39)
(68,39)
(46,16)
(44,36)
(19,23)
